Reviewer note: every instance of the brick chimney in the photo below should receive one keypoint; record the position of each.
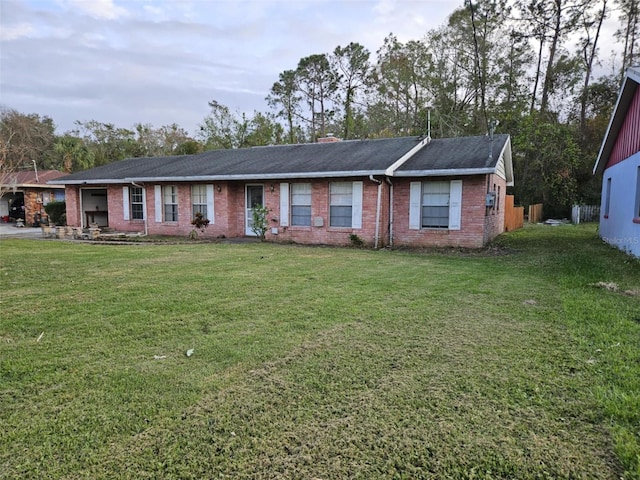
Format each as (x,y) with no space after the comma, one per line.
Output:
(328,139)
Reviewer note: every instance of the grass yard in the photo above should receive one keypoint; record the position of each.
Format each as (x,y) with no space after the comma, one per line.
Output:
(320,363)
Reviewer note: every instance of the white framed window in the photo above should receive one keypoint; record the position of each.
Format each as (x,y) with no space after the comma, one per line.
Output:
(340,204)
(170,203)
(136,202)
(435,204)
(199,200)
(301,204)
(345,204)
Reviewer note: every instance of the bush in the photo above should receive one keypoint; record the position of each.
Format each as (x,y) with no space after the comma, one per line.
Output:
(260,224)
(57,212)
(356,241)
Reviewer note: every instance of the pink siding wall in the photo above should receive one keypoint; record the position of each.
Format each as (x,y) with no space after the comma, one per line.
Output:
(628,141)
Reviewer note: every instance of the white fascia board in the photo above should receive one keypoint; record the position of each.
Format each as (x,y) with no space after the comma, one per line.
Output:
(257,177)
(632,75)
(34,185)
(389,172)
(110,181)
(445,172)
(506,157)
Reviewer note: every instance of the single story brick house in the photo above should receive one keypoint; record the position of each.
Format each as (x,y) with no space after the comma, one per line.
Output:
(619,164)
(407,191)
(36,190)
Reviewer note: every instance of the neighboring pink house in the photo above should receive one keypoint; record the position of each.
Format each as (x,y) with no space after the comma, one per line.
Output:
(619,164)
(400,191)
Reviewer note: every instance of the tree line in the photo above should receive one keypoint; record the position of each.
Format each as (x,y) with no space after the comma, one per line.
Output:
(527,66)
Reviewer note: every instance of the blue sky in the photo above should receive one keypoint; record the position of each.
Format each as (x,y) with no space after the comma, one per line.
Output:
(161,61)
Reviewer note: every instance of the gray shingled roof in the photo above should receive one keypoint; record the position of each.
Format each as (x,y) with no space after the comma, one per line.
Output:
(283,161)
(462,153)
(315,160)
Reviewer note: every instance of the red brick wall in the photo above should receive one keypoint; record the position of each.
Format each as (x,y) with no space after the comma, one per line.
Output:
(494,219)
(327,235)
(229,221)
(472,231)
(72,199)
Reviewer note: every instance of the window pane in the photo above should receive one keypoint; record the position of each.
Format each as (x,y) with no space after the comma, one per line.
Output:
(340,216)
(435,217)
(341,193)
(435,193)
(170,213)
(301,204)
(199,200)
(435,204)
(136,195)
(170,194)
(301,216)
(136,201)
(137,212)
(300,194)
(199,209)
(199,194)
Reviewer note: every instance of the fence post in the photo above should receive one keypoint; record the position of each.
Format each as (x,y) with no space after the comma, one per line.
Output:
(575,214)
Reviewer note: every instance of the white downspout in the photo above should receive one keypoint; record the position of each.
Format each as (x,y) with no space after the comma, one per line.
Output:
(390,211)
(146,232)
(378,206)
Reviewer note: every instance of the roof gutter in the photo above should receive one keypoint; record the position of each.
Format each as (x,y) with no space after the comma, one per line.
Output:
(251,177)
(444,172)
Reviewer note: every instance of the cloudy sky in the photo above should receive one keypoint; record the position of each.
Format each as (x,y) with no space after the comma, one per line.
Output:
(161,61)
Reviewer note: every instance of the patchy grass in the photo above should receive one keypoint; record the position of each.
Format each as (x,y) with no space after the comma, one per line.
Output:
(320,362)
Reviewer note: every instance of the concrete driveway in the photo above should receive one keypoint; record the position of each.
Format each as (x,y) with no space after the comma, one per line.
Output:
(9,230)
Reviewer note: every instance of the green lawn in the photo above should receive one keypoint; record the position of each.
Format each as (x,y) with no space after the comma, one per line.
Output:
(320,363)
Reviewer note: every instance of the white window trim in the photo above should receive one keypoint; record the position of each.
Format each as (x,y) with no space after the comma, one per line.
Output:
(126,214)
(356,205)
(455,205)
(157,194)
(210,204)
(284,204)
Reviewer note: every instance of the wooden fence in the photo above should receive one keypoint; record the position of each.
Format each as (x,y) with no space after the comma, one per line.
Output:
(535,213)
(513,216)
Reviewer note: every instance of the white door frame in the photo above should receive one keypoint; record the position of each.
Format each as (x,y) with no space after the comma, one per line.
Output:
(248,207)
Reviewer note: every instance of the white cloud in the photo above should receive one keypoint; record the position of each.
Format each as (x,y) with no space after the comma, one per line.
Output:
(100,9)
(14,32)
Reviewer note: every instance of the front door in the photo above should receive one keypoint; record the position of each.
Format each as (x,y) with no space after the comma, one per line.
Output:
(255,198)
